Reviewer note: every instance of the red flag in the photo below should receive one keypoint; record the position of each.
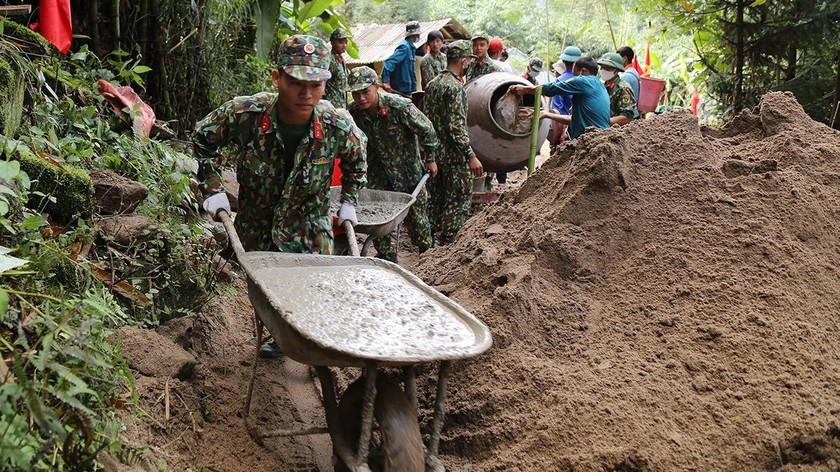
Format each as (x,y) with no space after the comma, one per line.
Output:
(55,25)
(695,101)
(647,59)
(637,66)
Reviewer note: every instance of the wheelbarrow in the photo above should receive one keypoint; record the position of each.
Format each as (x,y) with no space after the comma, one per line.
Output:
(379,212)
(360,312)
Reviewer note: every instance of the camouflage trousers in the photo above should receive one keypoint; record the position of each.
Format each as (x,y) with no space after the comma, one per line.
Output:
(451,194)
(418,226)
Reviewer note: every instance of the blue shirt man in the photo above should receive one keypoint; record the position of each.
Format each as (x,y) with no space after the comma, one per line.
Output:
(563,103)
(590,100)
(630,74)
(398,73)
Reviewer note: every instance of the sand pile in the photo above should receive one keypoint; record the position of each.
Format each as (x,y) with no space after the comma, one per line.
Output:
(662,297)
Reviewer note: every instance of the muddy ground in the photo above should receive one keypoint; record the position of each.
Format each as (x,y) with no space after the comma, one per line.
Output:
(662,296)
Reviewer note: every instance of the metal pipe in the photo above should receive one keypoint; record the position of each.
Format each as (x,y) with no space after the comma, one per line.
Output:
(440,408)
(331,412)
(351,238)
(535,130)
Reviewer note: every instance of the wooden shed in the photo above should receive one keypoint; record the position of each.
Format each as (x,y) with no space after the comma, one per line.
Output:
(377,42)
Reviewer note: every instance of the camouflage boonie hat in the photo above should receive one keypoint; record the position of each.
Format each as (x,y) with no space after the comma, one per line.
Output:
(305,58)
(479,35)
(361,78)
(460,48)
(535,64)
(338,33)
(412,28)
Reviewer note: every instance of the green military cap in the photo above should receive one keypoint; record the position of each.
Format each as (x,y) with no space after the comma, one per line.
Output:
(460,48)
(535,64)
(361,78)
(571,54)
(479,35)
(611,59)
(305,58)
(338,33)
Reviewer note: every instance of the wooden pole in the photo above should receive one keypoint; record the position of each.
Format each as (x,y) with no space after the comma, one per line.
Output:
(535,130)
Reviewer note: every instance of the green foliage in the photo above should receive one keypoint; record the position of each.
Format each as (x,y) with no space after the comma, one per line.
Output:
(63,380)
(11,97)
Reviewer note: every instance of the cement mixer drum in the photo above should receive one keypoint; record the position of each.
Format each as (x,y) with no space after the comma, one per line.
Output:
(499,129)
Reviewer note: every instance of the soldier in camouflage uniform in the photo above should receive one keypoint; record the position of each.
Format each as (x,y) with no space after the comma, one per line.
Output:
(336,91)
(393,125)
(286,145)
(622,101)
(434,62)
(446,106)
(482,65)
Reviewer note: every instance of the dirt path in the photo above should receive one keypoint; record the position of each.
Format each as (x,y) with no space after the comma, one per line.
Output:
(205,430)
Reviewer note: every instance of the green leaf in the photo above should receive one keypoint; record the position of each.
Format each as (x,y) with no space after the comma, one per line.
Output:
(757,3)
(4,303)
(8,262)
(267,13)
(9,170)
(33,222)
(141,69)
(313,9)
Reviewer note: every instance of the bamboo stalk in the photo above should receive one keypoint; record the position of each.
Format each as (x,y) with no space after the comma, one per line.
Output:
(535,129)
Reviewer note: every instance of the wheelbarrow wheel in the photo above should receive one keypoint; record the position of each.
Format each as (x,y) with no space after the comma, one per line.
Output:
(401,446)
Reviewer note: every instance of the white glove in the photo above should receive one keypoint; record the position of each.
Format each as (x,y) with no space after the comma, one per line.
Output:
(347,212)
(216,202)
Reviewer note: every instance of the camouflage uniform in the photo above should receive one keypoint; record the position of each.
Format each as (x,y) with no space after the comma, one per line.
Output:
(394,163)
(336,90)
(451,191)
(290,215)
(621,98)
(430,66)
(477,69)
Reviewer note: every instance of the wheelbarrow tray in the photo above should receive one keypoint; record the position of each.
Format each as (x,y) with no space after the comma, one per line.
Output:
(346,311)
(372,220)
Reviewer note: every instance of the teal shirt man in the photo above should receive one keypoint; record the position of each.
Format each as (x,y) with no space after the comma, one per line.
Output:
(590,102)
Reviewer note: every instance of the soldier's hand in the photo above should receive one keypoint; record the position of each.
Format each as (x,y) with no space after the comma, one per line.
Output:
(347,212)
(216,203)
(476,167)
(432,167)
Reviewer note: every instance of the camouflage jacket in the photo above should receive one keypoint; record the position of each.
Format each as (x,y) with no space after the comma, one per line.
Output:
(430,66)
(445,104)
(293,215)
(393,161)
(477,69)
(622,101)
(336,90)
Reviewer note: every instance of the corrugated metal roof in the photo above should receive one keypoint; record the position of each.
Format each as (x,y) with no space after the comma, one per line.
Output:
(377,42)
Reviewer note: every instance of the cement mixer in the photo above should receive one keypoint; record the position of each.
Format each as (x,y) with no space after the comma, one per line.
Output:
(501,145)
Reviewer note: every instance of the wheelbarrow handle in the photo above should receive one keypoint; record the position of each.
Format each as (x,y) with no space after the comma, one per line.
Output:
(420,184)
(351,238)
(232,236)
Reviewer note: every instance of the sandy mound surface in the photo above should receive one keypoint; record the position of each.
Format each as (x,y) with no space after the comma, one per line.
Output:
(662,297)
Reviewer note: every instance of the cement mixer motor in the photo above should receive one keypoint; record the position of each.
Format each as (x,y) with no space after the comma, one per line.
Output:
(500,146)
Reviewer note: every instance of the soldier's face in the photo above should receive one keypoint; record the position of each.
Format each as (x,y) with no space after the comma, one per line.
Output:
(297,98)
(435,45)
(479,47)
(367,98)
(339,46)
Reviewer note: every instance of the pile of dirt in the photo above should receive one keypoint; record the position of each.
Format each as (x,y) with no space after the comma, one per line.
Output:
(662,297)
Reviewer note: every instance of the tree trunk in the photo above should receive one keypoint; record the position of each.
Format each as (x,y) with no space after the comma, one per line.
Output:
(94,26)
(739,55)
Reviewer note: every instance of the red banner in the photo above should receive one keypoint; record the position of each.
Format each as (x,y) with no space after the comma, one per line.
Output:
(55,25)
